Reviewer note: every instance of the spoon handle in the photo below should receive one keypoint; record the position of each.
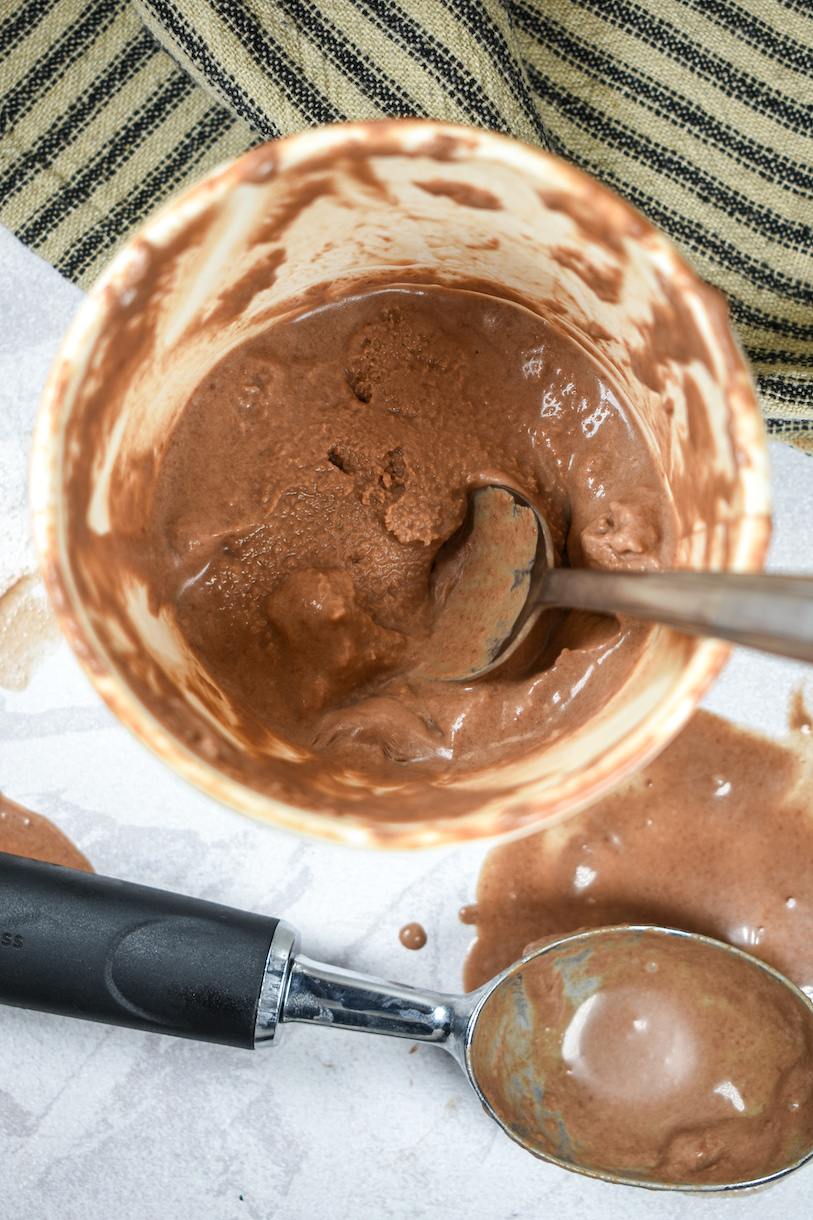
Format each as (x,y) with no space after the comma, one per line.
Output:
(772,613)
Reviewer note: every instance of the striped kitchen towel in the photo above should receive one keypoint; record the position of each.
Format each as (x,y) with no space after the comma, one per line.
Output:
(699,112)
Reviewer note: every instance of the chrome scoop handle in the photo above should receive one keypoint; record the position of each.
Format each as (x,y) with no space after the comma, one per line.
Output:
(321,994)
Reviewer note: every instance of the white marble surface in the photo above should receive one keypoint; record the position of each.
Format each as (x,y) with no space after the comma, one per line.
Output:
(98,1122)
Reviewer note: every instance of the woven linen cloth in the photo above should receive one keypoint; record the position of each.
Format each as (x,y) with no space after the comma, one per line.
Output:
(699,112)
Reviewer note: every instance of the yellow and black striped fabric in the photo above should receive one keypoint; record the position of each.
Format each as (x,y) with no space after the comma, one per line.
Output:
(700,112)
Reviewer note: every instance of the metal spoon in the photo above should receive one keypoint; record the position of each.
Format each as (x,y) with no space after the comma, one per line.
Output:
(507,576)
(106,950)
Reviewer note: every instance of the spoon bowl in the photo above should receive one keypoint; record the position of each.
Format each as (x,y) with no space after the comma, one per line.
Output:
(507,575)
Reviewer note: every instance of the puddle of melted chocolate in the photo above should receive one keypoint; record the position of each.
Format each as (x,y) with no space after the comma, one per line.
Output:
(23,833)
(715,836)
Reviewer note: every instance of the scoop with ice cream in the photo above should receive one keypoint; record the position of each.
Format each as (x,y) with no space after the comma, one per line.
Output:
(634,1054)
(652,1057)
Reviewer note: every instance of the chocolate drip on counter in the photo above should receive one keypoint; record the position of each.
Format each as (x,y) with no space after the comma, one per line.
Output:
(28,631)
(23,833)
(412,936)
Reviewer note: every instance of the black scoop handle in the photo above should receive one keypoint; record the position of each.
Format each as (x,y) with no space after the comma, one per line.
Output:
(87,946)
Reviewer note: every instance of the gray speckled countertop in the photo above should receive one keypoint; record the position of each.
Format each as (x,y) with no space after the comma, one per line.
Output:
(98,1122)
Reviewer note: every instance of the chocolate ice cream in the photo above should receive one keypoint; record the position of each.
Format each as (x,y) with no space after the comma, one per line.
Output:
(309,497)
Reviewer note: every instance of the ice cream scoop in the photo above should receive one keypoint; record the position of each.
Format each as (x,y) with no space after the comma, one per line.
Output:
(506,576)
(633,1054)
